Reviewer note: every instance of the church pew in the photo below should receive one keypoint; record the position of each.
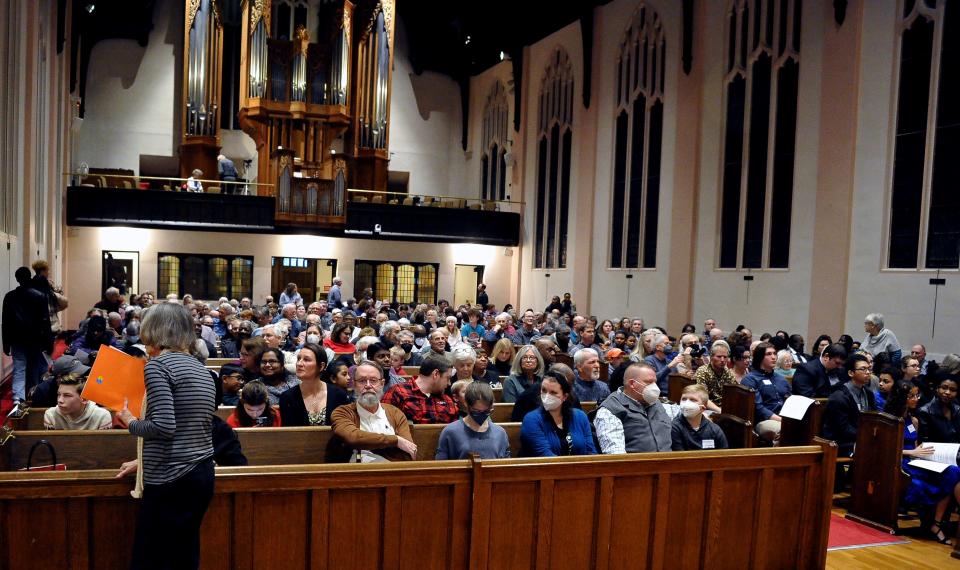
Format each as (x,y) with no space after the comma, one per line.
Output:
(676,383)
(739,432)
(218,362)
(33,419)
(564,358)
(875,490)
(562,513)
(802,432)
(740,401)
(107,449)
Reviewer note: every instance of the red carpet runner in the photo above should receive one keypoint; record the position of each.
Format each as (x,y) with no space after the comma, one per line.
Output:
(846,534)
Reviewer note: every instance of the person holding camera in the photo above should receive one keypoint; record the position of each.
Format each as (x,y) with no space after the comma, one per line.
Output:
(693,355)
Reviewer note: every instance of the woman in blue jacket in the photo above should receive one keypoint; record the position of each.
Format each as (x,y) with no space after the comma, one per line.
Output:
(556,427)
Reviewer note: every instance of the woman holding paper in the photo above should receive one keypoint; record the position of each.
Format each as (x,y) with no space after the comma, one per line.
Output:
(928,488)
(176,462)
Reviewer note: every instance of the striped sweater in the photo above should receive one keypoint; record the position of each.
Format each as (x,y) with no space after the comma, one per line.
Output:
(177,427)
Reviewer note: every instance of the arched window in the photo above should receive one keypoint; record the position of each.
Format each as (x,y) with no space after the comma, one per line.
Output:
(554,146)
(762,70)
(924,229)
(639,134)
(493,178)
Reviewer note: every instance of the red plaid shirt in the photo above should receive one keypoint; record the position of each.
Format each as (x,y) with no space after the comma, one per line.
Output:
(421,408)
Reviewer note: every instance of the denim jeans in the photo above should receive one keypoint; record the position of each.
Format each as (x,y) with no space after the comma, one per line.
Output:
(29,365)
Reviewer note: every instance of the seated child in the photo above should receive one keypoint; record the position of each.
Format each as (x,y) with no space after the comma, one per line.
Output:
(253,409)
(690,429)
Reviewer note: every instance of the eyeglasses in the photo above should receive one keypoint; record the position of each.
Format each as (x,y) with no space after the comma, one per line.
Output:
(269,363)
(913,396)
(368,381)
(861,369)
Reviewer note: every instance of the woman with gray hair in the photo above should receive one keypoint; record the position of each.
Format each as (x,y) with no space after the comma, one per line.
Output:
(526,371)
(880,339)
(176,460)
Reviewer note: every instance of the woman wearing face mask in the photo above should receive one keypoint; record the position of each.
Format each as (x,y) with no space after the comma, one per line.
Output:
(312,335)
(313,401)
(690,431)
(556,428)
(475,432)
(254,409)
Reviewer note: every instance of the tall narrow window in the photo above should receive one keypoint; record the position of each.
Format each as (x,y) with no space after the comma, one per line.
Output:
(759,141)
(638,136)
(554,147)
(924,229)
(494,136)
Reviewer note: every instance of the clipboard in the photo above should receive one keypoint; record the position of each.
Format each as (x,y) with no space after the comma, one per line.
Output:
(116,376)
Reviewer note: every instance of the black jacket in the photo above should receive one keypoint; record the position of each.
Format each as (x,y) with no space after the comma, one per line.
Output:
(26,319)
(935,427)
(841,417)
(226,446)
(294,413)
(813,380)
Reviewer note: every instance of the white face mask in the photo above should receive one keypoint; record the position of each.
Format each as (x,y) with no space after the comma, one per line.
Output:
(651,394)
(550,402)
(689,408)
(313,339)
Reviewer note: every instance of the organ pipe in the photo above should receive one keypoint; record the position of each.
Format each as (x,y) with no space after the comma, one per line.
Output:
(203,70)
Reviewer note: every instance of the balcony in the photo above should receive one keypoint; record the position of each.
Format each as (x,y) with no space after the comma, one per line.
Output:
(305,209)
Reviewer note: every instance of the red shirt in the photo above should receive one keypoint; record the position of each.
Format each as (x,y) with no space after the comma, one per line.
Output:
(421,408)
(234,422)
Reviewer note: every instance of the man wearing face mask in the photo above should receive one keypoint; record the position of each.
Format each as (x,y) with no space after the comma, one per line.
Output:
(406,342)
(632,419)
(587,386)
(690,430)
(475,432)
(658,360)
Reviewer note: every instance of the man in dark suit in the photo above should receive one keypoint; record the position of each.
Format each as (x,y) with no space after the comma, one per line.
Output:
(821,376)
(842,415)
(26,336)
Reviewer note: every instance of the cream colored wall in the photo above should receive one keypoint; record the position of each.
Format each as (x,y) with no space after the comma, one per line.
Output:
(904,297)
(535,287)
(130,96)
(775,299)
(612,293)
(86,245)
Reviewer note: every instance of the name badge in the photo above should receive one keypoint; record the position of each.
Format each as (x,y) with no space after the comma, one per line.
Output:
(767,382)
(910,428)
(708,444)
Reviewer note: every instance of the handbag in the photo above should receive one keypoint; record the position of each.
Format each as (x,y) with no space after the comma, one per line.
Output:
(53,455)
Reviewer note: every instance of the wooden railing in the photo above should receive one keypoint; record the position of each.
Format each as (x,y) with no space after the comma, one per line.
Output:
(722,509)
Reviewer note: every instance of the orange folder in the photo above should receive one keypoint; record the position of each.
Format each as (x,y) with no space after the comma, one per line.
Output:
(116,376)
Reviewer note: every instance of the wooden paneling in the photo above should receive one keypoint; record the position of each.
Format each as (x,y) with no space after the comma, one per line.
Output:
(727,509)
(875,488)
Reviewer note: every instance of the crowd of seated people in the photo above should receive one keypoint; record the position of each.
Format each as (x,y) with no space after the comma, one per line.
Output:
(346,363)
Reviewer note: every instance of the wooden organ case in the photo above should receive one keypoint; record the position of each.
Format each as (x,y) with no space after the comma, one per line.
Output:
(317,104)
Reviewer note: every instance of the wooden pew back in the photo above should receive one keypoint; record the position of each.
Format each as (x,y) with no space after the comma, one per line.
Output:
(740,401)
(739,431)
(878,477)
(677,383)
(802,432)
(85,450)
(457,514)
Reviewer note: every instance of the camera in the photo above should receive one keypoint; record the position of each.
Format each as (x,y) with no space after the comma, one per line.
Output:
(697,350)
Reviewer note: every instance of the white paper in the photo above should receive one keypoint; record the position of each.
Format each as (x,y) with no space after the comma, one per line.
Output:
(944,452)
(934,466)
(795,407)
